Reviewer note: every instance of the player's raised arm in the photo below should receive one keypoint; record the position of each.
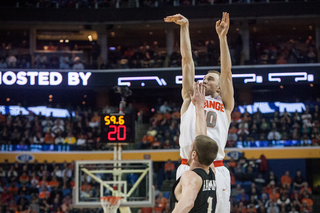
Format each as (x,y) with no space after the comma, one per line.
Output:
(191,184)
(198,99)
(187,61)
(222,27)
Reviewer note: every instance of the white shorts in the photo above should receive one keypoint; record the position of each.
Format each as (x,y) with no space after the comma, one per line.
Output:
(223,189)
(181,169)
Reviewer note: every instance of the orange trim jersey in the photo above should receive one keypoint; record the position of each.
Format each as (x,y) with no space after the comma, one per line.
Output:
(217,126)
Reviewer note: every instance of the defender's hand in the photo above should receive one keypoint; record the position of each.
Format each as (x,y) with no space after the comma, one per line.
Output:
(198,97)
(178,19)
(222,26)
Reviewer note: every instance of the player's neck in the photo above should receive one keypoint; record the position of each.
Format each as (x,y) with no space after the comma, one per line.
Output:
(215,94)
(197,165)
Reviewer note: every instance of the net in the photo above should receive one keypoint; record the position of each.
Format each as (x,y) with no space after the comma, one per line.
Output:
(110,204)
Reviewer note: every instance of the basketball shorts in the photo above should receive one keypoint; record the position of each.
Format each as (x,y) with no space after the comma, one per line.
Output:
(223,189)
(181,169)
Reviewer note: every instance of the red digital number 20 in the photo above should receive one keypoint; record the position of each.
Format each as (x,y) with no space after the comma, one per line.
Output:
(117,130)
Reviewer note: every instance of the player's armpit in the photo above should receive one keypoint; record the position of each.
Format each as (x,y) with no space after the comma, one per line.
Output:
(191,184)
(185,104)
(227,92)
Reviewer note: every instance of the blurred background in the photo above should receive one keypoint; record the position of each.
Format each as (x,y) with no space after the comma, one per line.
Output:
(64,64)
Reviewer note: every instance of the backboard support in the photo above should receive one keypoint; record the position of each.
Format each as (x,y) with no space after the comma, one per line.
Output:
(129,179)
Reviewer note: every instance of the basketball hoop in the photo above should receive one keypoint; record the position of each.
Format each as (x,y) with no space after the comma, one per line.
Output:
(110,204)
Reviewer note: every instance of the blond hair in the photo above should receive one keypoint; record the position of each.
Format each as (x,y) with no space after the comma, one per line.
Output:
(214,71)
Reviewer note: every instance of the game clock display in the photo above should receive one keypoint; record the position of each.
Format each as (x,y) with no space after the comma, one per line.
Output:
(117,128)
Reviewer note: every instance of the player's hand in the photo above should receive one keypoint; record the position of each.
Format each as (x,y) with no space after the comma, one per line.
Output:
(178,19)
(222,26)
(198,97)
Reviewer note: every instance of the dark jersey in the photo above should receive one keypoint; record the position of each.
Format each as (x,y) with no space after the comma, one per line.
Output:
(206,199)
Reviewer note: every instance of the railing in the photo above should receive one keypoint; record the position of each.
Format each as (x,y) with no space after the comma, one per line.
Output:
(68,148)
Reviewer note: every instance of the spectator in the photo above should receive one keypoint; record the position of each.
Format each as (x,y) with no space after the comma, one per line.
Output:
(64,61)
(286,180)
(3,64)
(306,201)
(12,174)
(274,135)
(58,127)
(51,47)
(156,144)
(24,178)
(54,62)
(293,210)
(305,189)
(47,121)
(13,189)
(2,173)
(59,139)
(306,118)
(38,138)
(284,200)
(167,144)
(132,179)
(169,169)
(144,144)
(243,132)
(44,203)
(49,137)
(95,120)
(44,191)
(281,59)
(260,182)
(235,192)
(11,61)
(91,141)
(264,126)
(298,180)
(77,64)
(273,208)
(164,108)
(54,183)
(81,141)
(41,61)
(23,201)
(57,172)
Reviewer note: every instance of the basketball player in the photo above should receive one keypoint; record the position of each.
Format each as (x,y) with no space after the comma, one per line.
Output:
(218,107)
(195,190)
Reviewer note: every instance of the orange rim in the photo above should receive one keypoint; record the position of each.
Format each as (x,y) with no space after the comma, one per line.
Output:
(113,200)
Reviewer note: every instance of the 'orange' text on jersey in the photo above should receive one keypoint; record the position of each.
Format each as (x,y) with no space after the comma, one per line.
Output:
(214,105)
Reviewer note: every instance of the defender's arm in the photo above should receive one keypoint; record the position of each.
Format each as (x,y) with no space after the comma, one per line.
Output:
(191,184)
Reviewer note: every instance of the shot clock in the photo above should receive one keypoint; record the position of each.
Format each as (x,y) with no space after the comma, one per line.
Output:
(117,128)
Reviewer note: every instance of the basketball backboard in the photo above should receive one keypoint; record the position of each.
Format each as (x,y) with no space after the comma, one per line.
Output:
(129,179)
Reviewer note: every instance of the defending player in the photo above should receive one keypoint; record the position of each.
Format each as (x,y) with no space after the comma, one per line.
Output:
(218,107)
(195,191)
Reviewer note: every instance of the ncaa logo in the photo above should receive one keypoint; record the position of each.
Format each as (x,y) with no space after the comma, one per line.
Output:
(24,158)
(234,154)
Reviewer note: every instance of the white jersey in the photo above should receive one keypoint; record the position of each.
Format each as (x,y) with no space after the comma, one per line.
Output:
(217,126)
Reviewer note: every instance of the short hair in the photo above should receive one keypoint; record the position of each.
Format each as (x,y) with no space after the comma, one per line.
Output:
(214,71)
(206,149)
